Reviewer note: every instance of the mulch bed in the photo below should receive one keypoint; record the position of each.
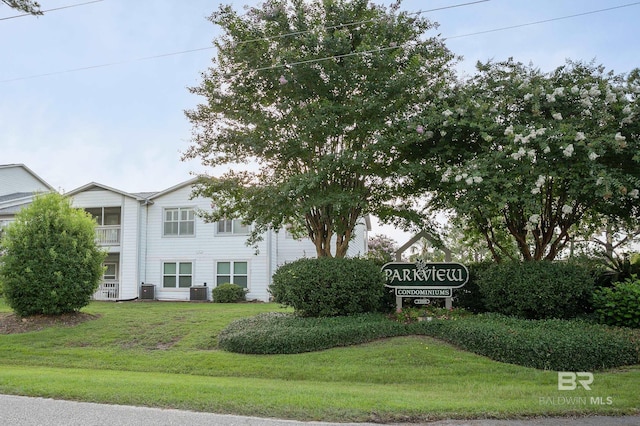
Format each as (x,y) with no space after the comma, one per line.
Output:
(11,323)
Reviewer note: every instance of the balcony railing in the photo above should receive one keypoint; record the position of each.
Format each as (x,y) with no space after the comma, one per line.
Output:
(108,235)
(108,290)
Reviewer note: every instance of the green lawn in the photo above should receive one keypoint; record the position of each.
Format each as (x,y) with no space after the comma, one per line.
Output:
(164,355)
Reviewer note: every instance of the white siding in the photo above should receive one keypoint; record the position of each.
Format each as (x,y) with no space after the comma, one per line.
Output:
(129,273)
(203,249)
(17,179)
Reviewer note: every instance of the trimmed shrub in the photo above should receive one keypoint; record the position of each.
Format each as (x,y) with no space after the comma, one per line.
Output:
(619,305)
(228,293)
(328,287)
(280,333)
(51,263)
(537,290)
(469,296)
(547,344)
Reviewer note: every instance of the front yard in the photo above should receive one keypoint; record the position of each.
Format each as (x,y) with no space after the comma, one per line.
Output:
(166,355)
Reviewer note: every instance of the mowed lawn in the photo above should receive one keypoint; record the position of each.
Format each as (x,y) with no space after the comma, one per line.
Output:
(164,355)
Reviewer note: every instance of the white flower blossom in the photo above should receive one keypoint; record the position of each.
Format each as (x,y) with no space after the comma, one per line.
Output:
(477,179)
(443,133)
(580,136)
(568,150)
(487,137)
(551,97)
(508,131)
(541,131)
(559,91)
(447,113)
(528,96)
(535,191)
(626,110)
(586,102)
(566,209)
(531,153)
(557,116)
(460,111)
(469,180)
(534,218)
(611,97)
(594,91)
(634,193)
(619,137)
(575,90)
(420,129)
(428,134)
(458,178)
(593,156)
(283,80)
(547,150)
(599,181)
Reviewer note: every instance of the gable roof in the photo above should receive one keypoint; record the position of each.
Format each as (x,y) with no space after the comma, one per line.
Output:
(28,170)
(95,185)
(174,188)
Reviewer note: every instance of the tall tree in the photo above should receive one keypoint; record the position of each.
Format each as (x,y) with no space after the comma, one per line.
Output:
(531,154)
(308,92)
(27,6)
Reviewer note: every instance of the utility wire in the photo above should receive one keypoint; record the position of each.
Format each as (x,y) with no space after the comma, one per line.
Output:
(51,10)
(324,58)
(543,21)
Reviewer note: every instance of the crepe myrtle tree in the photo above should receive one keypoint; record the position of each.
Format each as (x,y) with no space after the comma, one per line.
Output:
(305,91)
(529,154)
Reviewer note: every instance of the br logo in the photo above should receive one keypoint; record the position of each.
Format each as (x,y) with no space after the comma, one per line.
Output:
(567,380)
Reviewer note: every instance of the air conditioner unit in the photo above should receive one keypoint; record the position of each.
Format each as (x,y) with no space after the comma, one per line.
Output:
(198,293)
(148,291)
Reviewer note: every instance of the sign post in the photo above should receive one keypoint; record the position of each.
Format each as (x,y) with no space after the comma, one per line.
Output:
(422,279)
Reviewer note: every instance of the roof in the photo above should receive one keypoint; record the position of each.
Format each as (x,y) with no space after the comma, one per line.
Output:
(93,185)
(28,170)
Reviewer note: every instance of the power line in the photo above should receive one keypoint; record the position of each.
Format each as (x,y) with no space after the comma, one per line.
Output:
(544,21)
(324,58)
(51,10)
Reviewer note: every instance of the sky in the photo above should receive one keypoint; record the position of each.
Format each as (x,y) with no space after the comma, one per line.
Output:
(97,92)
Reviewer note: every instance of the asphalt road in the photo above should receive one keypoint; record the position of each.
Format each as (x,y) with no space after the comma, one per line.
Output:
(25,411)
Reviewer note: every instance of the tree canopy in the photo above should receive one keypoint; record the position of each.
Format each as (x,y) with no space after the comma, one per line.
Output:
(312,95)
(526,154)
(28,6)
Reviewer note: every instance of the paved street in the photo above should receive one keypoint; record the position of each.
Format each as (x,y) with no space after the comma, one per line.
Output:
(24,411)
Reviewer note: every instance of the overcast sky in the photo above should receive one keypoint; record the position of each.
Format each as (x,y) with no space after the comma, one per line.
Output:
(96,93)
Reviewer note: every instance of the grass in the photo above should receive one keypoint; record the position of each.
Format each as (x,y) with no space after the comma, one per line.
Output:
(165,355)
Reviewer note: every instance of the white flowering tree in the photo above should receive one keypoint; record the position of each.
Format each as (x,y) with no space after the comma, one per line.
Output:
(530,155)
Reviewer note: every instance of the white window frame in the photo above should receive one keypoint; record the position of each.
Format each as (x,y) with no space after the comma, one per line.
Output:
(106,277)
(232,273)
(179,221)
(232,227)
(177,274)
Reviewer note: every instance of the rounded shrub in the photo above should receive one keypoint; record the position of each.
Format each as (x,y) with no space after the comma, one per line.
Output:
(469,296)
(327,287)
(619,305)
(228,293)
(537,290)
(51,263)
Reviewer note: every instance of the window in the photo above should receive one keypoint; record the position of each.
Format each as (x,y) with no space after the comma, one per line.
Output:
(233,272)
(111,272)
(177,274)
(230,227)
(105,216)
(179,222)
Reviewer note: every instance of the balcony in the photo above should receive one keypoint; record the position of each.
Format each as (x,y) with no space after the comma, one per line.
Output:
(108,290)
(108,235)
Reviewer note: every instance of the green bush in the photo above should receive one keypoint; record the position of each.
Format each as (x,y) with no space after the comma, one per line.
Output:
(562,345)
(51,264)
(327,287)
(619,305)
(228,293)
(537,290)
(469,296)
(551,344)
(280,333)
